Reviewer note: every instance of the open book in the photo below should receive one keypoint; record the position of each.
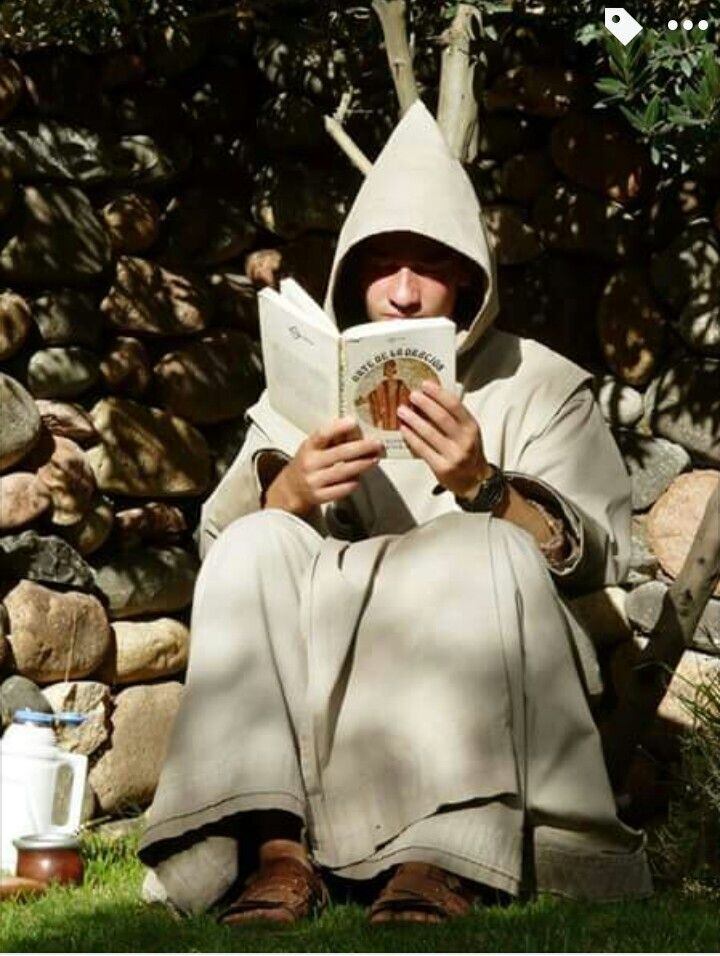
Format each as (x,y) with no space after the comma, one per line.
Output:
(315,373)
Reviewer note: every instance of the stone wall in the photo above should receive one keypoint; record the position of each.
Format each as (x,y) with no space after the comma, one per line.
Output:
(146,194)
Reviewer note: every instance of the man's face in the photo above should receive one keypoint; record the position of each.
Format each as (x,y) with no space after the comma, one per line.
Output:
(406,276)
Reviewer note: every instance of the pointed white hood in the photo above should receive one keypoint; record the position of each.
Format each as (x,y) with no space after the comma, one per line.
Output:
(417,185)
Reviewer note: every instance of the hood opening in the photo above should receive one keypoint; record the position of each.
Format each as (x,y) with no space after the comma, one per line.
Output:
(349,308)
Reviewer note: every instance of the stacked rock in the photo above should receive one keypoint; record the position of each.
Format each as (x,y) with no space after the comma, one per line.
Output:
(141,213)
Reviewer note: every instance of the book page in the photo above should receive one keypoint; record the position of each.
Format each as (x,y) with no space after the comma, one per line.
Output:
(384,362)
(302,363)
(294,293)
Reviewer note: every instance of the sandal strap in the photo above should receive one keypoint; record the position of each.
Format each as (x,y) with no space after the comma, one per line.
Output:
(283,883)
(422,887)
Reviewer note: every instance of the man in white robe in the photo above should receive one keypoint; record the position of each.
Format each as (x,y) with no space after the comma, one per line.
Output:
(384,677)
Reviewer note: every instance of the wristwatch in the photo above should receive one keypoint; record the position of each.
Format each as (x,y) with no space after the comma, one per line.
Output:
(489,495)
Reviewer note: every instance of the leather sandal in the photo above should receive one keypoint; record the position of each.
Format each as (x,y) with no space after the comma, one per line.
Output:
(283,890)
(422,893)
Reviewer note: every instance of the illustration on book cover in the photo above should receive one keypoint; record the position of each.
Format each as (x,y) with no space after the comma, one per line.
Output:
(380,391)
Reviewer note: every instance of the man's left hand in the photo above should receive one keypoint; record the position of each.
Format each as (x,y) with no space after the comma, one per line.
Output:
(441,431)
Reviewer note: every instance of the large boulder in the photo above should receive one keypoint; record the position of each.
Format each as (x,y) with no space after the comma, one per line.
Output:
(68,317)
(59,239)
(43,558)
(596,151)
(62,467)
(146,452)
(93,529)
(88,697)
(686,407)
(132,222)
(24,497)
(20,422)
(56,635)
(127,774)
(539,90)
(149,300)
(62,372)
(631,327)
(676,516)
(147,581)
(208,227)
(215,378)
(146,650)
(46,149)
(15,323)
(576,220)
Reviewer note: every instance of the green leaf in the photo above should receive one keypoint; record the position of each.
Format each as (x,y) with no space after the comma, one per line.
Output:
(611,85)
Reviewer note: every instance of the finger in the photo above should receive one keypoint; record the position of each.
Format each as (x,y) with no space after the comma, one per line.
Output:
(449,401)
(342,471)
(436,412)
(425,429)
(421,449)
(335,492)
(335,431)
(347,451)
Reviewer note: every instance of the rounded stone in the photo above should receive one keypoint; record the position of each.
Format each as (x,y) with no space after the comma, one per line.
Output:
(125,367)
(44,558)
(127,460)
(20,693)
(597,152)
(67,420)
(572,219)
(653,463)
(7,190)
(93,529)
(23,498)
(127,774)
(645,605)
(88,697)
(262,267)
(699,324)
(675,518)
(56,635)
(631,327)
(236,300)
(685,407)
(20,422)
(15,323)
(156,521)
(512,238)
(149,300)
(146,650)
(524,176)
(132,221)
(62,372)
(290,198)
(62,467)
(147,581)
(539,90)
(215,378)
(621,405)
(11,86)
(68,317)
(207,227)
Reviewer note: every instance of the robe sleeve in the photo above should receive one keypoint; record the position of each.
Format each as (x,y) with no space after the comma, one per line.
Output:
(574,468)
(240,491)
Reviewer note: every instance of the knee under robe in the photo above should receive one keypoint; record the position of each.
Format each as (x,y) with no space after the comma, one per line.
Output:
(402,710)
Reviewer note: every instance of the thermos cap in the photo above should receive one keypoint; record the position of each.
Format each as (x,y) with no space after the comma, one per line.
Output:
(37,717)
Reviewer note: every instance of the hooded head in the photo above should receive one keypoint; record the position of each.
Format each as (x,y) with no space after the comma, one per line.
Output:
(416,185)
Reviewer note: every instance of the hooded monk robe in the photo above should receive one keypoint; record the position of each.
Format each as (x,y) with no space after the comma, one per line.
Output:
(404,676)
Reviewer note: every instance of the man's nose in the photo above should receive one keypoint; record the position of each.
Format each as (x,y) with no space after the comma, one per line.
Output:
(405,292)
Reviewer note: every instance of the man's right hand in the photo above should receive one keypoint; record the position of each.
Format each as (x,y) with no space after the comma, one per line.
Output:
(326,467)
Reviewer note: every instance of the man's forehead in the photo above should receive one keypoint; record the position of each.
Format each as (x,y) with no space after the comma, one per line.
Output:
(408,244)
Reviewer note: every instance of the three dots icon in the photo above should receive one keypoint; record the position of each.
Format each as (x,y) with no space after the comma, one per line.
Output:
(688,24)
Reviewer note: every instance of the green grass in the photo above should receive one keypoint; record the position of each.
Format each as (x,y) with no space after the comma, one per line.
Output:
(106,915)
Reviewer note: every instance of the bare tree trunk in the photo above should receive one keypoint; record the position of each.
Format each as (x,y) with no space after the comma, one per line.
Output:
(391,14)
(457,107)
(685,602)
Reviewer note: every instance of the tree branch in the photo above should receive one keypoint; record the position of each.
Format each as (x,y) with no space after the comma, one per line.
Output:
(457,107)
(391,14)
(684,604)
(347,145)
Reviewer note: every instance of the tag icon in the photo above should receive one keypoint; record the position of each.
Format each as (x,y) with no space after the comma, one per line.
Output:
(621,24)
